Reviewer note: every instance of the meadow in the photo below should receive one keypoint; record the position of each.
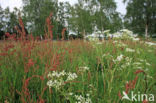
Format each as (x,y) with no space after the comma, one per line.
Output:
(77,71)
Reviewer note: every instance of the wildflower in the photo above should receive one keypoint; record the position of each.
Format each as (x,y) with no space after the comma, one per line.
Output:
(81,99)
(137,63)
(63,32)
(119,58)
(119,94)
(7,34)
(121,45)
(115,41)
(123,66)
(139,67)
(150,51)
(87,95)
(99,43)
(55,74)
(127,86)
(3,54)
(57,79)
(63,73)
(106,31)
(142,60)
(150,43)
(139,71)
(136,39)
(138,52)
(128,62)
(49,26)
(83,69)
(130,50)
(6,101)
(131,84)
(145,101)
(22,26)
(70,93)
(148,76)
(148,64)
(55,83)
(126,30)
(52,69)
(71,76)
(128,59)
(30,63)
(134,82)
(107,55)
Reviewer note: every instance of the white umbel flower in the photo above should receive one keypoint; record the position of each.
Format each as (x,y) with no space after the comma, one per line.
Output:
(71,76)
(57,79)
(55,83)
(130,50)
(137,63)
(119,58)
(83,69)
(136,39)
(81,99)
(150,43)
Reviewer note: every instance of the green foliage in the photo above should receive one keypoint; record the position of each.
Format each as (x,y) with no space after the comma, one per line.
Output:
(90,15)
(141,16)
(84,18)
(8,19)
(36,12)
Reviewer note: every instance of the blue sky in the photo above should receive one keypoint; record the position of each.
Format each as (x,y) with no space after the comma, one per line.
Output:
(18,3)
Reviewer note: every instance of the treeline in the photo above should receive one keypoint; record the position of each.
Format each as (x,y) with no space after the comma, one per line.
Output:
(83,18)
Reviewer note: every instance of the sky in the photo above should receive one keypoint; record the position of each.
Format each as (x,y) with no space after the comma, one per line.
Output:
(18,3)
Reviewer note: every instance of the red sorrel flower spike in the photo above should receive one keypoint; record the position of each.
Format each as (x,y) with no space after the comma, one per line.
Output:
(139,71)
(63,32)
(134,82)
(127,87)
(23,29)
(48,22)
(7,34)
(119,94)
(53,69)
(3,54)
(145,101)
(30,63)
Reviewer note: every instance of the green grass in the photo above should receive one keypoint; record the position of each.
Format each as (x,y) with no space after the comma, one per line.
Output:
(24,70)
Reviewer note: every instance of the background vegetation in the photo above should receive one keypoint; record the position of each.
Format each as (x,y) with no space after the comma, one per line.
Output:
(83,18)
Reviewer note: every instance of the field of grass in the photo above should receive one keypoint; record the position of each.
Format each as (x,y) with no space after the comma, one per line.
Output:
(76,71)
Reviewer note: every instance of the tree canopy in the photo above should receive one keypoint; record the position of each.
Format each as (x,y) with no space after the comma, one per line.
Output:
(141,16)
(82,18)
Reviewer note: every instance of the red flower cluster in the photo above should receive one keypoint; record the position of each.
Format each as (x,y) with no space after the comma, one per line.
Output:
(48,22)
(131,85)
(139,71)
(30,63)
(145,101)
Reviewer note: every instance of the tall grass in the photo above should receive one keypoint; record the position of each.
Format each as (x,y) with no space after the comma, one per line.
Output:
(25,66)
(96,72)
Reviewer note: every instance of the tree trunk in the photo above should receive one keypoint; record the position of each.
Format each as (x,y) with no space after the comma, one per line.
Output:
(84,33)
(146,31)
